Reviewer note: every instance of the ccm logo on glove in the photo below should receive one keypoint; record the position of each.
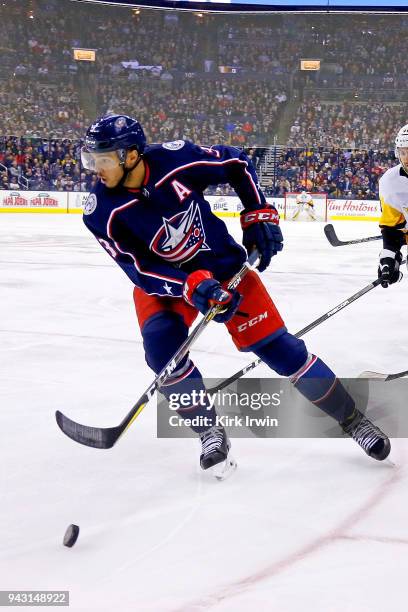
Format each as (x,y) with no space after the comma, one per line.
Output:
(265,214)
(261,231)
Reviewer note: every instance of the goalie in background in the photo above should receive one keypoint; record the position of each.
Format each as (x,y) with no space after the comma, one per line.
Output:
(304,202)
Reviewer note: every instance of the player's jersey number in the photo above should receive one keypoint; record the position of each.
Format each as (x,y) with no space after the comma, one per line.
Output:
(108,247)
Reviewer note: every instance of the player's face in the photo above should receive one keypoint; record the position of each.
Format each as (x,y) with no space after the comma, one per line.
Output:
(403,156)
(106,165)
(110,173)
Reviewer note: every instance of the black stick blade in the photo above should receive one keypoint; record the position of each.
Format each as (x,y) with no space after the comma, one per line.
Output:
(96,437)
(397,375)
(331,235)
(334,241)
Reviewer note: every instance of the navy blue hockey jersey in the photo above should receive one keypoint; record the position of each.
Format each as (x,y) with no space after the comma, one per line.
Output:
(160,233)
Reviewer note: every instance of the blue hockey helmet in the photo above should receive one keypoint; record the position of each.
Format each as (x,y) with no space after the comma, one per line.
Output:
(115,132)
(111,133)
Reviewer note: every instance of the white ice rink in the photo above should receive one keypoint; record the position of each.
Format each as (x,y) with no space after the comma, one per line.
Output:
(311,525)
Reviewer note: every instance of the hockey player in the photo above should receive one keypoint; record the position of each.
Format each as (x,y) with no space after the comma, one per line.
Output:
(393,188)
(149,213)
(304,202)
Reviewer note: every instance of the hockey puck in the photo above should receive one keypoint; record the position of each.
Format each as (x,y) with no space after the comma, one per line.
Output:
(71,535)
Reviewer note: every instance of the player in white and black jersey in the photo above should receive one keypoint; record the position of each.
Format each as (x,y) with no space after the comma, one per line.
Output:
(393,188)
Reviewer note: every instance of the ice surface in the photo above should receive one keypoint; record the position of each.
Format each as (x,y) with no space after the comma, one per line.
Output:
(302,525)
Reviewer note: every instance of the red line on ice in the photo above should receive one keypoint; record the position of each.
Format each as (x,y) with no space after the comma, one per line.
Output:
(338,533)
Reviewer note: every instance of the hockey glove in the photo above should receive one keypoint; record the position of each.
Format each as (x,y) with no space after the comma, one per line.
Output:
(261,231)
(388,270)
(203,291)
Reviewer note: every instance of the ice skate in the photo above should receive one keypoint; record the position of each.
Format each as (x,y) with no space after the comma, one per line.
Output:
(371,439)
(215,453)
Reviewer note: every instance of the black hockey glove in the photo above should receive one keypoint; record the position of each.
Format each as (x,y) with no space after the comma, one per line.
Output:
(388,270)
(261,231)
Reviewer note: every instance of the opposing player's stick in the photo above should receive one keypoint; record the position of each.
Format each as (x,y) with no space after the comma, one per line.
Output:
(106,437)
(334,241)
(385,377)
(302,332)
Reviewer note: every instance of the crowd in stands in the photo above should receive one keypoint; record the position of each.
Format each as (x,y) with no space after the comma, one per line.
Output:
(252,47)
(348,125)
(368,54)
(37,37)
(40,164)
(337,172)
(176,49)
(228,112)
(36,109)
(209,78)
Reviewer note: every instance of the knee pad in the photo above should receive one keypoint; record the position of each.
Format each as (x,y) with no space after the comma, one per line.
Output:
(285,355)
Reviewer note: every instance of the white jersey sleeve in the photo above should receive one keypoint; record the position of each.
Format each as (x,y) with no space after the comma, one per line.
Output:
(393,189)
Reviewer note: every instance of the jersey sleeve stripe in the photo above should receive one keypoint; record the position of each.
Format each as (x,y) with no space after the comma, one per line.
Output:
(213,163)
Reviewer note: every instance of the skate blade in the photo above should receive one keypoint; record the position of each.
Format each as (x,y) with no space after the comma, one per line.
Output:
(225,469)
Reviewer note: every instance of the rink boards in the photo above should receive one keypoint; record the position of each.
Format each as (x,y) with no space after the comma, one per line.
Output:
(223,206)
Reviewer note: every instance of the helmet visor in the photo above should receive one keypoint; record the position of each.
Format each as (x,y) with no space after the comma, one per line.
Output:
(99,161)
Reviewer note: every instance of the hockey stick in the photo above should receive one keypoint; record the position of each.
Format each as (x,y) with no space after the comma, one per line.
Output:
(302,332)
(106,437)
(379,375)
(334,241)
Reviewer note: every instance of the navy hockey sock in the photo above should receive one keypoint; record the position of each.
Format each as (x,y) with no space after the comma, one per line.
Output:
(163,334)
(288,356)
(318,383)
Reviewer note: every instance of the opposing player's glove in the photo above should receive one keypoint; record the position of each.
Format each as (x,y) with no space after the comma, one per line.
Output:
(388,270)
(261,231)
(203,291)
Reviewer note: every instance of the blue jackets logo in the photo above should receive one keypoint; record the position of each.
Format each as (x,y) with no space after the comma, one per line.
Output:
(174,145)
(181,237)
(119,124)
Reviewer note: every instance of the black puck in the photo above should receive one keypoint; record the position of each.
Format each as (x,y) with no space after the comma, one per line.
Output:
(71,535)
